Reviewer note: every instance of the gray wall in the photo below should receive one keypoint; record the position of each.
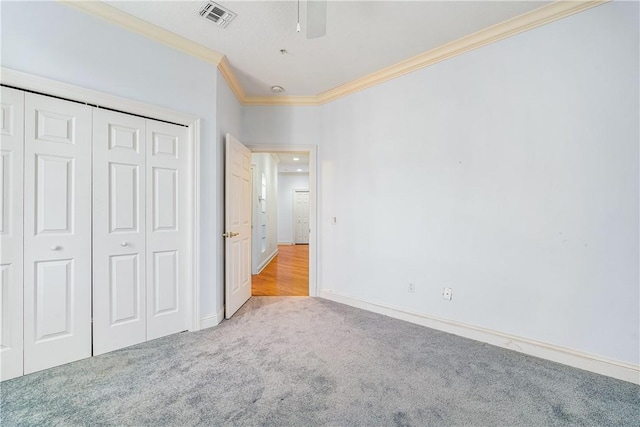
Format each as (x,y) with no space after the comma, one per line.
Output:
(264,163)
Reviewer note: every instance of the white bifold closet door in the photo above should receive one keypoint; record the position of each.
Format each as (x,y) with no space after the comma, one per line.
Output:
(168,251)
(119,218)
(57,232)
(11,265)
(140,230)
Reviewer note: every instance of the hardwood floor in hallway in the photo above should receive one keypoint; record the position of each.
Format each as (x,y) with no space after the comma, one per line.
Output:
(286,275)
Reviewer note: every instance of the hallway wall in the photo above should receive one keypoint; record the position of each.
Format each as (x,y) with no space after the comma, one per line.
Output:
(265,223)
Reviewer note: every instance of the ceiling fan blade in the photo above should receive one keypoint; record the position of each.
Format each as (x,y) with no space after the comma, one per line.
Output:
(316,18)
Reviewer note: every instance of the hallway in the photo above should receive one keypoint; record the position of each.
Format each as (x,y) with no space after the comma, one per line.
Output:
(286,275)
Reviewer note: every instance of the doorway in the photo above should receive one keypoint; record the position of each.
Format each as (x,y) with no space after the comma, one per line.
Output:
(284,216)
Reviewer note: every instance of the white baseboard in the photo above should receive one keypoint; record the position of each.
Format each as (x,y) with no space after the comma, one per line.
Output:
(212,320)
(266,262)
(286,243)
(589,362)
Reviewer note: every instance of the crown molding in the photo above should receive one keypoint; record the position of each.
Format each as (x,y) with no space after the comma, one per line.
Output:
(140,26)
(227,72)
(503,30)
(281,101)
(519,24)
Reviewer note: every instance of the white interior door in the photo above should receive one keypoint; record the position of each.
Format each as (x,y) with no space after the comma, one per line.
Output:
(57,232)
(119,264)
(301,216)
(11,261)
(167,169)
(237,225)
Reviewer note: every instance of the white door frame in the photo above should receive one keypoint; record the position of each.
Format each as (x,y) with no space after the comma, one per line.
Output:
(312,151)
(46,86)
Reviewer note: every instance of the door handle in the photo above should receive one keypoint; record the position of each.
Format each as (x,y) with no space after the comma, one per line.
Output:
(55,248)
(230,234)
(124,244)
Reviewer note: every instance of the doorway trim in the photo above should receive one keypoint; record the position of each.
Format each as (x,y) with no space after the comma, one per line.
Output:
(312,151)
(46,86)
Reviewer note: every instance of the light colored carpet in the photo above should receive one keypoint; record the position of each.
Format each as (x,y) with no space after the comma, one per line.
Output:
(311,362)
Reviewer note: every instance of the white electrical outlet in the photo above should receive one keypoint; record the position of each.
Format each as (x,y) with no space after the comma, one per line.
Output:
(446,293)
(412,287)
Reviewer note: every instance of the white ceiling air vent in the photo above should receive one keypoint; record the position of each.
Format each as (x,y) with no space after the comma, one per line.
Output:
(216,13)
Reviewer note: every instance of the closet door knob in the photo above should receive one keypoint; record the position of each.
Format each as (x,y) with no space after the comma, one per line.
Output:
(55,248)
(124,244)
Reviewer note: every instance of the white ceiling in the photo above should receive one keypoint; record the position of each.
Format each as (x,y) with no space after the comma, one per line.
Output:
(362,36)
(287,163)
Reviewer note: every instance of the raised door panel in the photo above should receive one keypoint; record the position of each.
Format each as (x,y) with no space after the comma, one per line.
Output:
(55,127)
(124,197)
(168,231)
(54,194)
(53,299)
(165,199)
(57,232)
(166,282)
(119,276)
(124,289)
(11,237)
